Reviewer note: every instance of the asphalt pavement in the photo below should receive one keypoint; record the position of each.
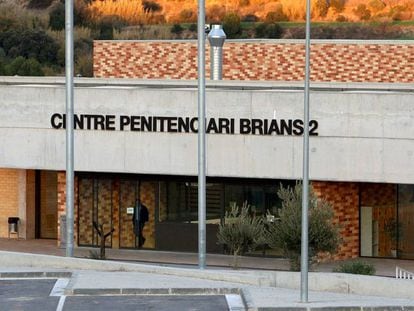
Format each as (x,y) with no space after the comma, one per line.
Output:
(46,295)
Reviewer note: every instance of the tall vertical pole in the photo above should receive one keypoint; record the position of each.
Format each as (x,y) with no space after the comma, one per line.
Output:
(69,128)
(305,192)
(201,137)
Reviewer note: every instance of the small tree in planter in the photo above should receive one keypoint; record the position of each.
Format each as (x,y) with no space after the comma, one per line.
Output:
(102,235)
(285,233)
(240,231)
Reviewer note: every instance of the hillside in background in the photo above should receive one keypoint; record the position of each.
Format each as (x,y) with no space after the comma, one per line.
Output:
(32,32)
(173,11)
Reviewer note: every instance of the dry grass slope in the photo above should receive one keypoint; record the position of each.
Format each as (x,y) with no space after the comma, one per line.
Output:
(293,10)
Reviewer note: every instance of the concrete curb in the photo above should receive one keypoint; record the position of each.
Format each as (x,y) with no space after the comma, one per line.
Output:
(380,308)
(330,282)
(153,291)
(34,274)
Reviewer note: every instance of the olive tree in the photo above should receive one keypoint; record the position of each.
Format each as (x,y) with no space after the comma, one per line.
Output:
(285,233)
(240,232)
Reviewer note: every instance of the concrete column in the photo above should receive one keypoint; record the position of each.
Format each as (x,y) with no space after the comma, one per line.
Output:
(21,202)
(30,204)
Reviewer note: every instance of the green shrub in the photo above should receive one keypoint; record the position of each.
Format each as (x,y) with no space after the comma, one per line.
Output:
(356,267)
(266,30)
(232,25)
(177,29)
(24,67)
(240,232)
(193,28)
(106,31)
(3,71)
(341,19)
(285,234)
(39,4)
(276,16)
(57,17)
(84,65)
(29,44)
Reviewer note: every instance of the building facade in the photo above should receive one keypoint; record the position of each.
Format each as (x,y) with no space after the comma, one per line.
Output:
(137,139)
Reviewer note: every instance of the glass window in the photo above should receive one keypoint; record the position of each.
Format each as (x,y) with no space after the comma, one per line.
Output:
(233,194)
(378,220)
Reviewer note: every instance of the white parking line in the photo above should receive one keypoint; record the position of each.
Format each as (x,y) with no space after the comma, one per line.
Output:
(59,288)
(235,303)
(61,303)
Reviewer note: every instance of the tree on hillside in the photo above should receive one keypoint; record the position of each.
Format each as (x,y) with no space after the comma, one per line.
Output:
(321,7)
(57,17)
(278,15)
(391,3)
(232,25)
(362,12)
(29,44)
(188,16)
(39,4)
(337,5)
(377,5)
(215,13)
(151,6)
(24,67)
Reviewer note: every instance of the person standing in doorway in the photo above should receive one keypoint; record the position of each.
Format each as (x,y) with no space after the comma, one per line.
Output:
(139,219)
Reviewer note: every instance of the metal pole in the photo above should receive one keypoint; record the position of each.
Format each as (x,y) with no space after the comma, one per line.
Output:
(69,128)
(305,192)
(201,137)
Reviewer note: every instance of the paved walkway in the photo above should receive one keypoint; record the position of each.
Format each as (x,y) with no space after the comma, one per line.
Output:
(384,267)
(112,284)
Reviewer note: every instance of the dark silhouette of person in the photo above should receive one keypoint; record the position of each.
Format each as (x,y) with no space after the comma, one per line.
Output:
(139,219)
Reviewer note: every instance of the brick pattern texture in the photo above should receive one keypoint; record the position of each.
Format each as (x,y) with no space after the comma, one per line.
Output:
(107,200)
(344,198)
(95,204)
(85,211)
(127,197)
(148,194)
(48,205)
(9,194)
(265,60)
(61,203)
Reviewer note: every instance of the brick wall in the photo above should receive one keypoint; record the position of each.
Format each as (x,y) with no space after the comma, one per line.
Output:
(333,61)
(61,200)
(9,194)
(344,198)
(31,203)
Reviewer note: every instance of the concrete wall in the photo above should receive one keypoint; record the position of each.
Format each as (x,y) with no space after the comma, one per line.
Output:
(363,135)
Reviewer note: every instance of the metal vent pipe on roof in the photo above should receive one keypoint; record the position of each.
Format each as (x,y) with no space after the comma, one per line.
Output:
(216,37)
